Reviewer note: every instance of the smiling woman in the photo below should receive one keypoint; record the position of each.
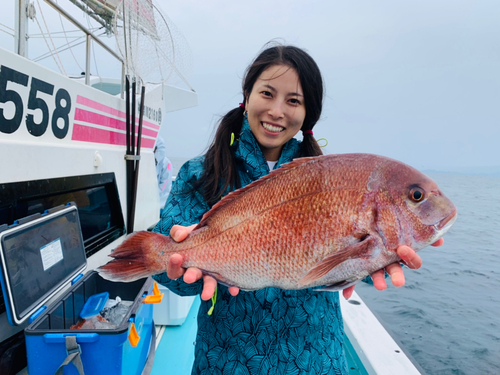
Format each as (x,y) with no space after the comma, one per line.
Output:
(275,109)
(281,79)
(267,330)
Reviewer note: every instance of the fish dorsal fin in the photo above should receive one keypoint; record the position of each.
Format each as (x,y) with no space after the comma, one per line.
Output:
(357,250)
(285,168)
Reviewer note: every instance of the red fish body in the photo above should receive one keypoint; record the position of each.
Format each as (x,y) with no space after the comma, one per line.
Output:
(324,221)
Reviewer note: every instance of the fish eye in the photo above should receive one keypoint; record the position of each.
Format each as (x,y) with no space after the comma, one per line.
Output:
(416,194)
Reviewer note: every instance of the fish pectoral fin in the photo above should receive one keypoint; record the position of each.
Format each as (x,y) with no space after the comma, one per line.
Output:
(358,250)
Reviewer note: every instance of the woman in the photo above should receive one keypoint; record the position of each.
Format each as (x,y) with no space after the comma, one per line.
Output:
(269,331)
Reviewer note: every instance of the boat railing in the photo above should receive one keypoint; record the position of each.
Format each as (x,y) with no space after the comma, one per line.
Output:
(90,36)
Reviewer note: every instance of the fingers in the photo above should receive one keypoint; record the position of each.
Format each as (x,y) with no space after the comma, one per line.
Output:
(174,269)
(209,285)
(395,271)
(409,257)
(347,292)
(192,275)
(179,232)
(438,242)
(397,275)
(378,278)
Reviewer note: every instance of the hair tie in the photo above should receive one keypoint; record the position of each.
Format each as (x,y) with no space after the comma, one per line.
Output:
(304,132)
(242,105)
(322,139)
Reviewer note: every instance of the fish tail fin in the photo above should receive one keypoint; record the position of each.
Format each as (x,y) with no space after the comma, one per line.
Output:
(141,255)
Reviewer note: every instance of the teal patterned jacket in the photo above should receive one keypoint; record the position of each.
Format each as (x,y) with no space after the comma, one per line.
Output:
(269,331)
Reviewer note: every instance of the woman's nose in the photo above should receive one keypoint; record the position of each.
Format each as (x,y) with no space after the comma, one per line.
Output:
(276,110)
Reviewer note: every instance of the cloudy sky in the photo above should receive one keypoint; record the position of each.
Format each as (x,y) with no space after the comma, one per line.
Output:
(418,81)
(415,80)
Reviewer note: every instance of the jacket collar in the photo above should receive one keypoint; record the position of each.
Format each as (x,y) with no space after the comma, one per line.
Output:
(249,153)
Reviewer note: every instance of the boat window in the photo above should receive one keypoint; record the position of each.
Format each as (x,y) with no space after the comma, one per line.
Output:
(110,88)
(96,197)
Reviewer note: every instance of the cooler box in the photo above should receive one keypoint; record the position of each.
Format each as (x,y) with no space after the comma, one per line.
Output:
(40,256)
(173,309)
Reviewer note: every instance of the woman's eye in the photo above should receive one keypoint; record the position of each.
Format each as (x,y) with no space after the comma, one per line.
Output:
(416,194)
(295,101)
(266,93)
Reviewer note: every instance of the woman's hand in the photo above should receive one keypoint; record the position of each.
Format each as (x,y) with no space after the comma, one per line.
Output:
(192,274)
(395,271)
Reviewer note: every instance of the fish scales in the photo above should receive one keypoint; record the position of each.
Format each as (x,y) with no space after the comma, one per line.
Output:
(268,251)
(324,197)
(308,177)
(328,220)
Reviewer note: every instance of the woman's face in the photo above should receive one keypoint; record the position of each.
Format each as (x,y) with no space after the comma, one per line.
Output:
(276,109)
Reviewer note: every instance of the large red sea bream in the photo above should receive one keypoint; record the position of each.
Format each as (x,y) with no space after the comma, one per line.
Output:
(324,221)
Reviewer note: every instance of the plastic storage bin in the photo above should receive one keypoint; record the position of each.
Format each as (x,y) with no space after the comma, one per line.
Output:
(173,309)
(40,256)
(103,351)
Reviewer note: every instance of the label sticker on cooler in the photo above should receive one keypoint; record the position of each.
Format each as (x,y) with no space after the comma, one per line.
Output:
(51,254)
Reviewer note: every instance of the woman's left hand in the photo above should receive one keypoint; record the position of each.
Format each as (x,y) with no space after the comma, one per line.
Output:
(395,271)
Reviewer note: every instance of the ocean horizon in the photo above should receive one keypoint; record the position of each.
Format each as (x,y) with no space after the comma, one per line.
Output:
(492,171)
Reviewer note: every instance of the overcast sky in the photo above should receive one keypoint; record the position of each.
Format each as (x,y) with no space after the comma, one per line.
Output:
(418,81)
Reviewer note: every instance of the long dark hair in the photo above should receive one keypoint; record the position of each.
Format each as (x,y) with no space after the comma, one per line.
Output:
(220,170)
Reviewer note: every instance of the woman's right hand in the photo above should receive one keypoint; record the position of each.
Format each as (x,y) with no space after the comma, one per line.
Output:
(192,274)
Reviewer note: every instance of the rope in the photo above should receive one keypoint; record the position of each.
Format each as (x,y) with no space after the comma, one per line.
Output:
(61,68)
(7,27)
(50,51)
(71,44)
(6,32)
(95,62)
(45,55)
(89,25)
(71,50)
(67,32)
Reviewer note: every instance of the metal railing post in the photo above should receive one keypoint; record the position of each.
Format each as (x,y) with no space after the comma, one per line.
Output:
(87,61)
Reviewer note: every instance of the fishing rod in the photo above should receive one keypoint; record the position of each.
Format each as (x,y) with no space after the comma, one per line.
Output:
(138,157)
(132,156)
(128,153)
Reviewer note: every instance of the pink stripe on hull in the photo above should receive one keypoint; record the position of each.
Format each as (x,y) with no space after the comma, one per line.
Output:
(112,111)
(97,119)
(89,134)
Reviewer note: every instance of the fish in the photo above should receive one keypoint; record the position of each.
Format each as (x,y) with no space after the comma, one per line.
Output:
(322,222)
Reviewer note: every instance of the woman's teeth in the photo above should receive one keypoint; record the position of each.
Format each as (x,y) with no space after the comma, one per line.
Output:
(272,128)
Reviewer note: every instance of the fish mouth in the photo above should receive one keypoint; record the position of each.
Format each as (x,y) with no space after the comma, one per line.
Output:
(447,222)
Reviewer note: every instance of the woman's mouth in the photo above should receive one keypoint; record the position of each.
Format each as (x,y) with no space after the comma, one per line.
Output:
(272,128)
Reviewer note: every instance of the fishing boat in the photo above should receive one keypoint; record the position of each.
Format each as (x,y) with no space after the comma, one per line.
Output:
(82,139)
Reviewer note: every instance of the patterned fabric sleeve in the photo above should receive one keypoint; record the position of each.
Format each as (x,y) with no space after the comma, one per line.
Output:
(184,206)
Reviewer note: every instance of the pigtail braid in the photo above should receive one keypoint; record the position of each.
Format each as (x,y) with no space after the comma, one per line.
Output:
(220,172)
(309,146)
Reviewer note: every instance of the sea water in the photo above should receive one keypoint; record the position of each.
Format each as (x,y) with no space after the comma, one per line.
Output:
(447,316)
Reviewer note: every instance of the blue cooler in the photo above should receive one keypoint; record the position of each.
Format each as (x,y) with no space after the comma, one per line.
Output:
(40,256)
